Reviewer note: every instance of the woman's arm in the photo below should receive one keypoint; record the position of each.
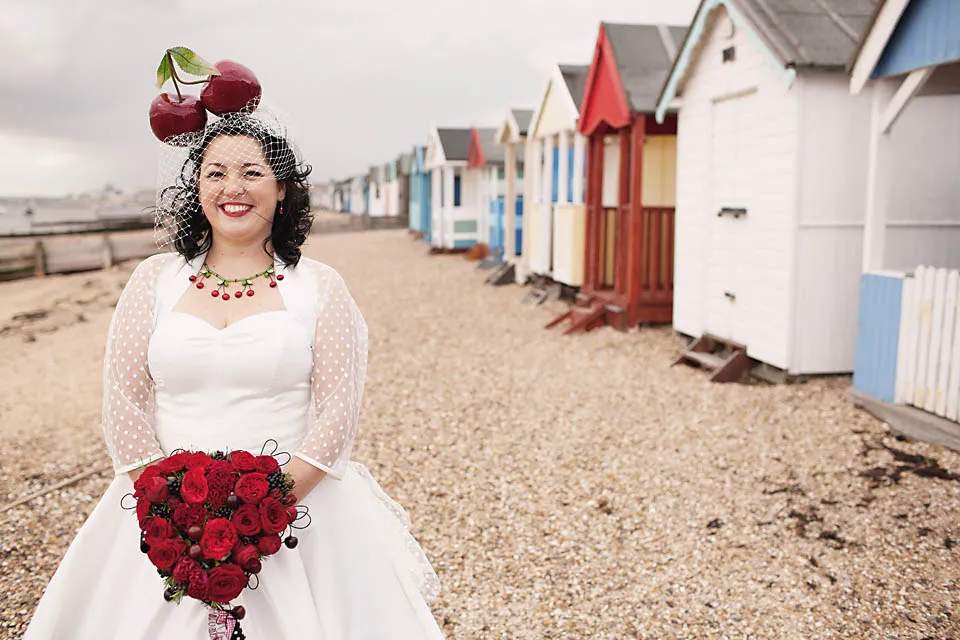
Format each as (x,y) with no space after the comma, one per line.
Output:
(339,373)
(128,411)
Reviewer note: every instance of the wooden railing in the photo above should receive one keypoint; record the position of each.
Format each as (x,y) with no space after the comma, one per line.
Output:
(657,249)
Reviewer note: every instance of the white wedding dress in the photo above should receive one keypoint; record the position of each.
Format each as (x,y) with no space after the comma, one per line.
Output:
(356,574)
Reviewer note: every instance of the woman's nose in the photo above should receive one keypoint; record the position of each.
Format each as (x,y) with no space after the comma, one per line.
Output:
(233,185)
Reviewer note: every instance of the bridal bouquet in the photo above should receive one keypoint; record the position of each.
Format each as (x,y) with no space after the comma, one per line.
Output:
(207,523)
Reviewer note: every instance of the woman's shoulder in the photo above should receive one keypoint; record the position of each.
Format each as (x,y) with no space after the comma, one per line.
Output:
(150,267)
(322,272)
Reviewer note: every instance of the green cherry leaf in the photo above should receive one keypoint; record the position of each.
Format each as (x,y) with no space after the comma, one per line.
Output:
(191,63)
(163,71)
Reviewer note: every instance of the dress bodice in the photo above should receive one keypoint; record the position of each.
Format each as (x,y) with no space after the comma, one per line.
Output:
(231,388)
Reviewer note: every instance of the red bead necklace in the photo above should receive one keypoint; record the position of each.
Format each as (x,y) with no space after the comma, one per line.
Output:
(246,284)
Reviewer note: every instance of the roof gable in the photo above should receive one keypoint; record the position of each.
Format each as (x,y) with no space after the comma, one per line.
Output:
(793,34)
(630,64)
(575,77)
(557,110)
(455,143)
(484,150)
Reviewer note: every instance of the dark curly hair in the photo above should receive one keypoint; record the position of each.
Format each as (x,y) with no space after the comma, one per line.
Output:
(180,202)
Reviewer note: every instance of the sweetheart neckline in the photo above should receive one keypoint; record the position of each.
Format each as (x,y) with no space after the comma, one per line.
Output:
(229,326)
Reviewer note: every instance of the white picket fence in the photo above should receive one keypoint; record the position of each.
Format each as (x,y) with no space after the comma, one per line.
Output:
(928,352)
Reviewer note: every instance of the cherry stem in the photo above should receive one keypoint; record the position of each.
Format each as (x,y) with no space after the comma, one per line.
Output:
(174,74)
(177,79)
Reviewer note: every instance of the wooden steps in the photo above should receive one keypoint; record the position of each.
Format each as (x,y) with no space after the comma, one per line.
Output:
(727,360)
(581,319)
(504,274)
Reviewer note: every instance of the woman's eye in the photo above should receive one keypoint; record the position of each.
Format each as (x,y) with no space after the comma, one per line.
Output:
(253,174)
(215,174)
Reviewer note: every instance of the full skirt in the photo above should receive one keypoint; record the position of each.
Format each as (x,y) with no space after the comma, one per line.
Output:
(356,574)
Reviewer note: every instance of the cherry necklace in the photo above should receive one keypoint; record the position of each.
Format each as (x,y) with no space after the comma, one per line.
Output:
(246,284)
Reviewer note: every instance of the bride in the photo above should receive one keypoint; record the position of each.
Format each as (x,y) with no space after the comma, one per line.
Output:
(278,351)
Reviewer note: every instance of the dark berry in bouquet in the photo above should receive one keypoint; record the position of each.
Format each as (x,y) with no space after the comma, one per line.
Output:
(208,522)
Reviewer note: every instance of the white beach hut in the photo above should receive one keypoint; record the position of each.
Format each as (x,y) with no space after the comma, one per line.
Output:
(771,186)
(455,220)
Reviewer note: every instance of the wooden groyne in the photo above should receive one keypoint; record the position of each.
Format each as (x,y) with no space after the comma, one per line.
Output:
(90,246)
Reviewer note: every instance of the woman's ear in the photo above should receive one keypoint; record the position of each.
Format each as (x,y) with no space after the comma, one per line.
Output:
(282,191)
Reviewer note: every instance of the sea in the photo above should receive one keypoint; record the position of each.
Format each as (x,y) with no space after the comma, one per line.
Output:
(23,215)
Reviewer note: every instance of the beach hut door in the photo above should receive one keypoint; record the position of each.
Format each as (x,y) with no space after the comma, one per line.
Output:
(727,259)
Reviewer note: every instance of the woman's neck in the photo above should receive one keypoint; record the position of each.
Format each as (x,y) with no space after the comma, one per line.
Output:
(224,255)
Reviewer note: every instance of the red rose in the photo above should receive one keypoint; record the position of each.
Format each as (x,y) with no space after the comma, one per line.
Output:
(226,582)
(143,511)
(174,463)
(193,487)
(218,539)
(269,545)
(273,516)
(246,520)
(184,567)
(198,584)
(243,461)
(252,487)
(148,474)
(166,552)
(199,461)
(156,489)
(247,557)
(157,529)
(267,464)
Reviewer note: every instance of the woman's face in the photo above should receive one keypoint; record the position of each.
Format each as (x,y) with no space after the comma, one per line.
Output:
(238,191)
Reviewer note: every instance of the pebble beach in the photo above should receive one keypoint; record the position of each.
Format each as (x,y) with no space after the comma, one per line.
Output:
(563,486)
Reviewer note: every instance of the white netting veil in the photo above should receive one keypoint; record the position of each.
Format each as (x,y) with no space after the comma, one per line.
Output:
(234,165)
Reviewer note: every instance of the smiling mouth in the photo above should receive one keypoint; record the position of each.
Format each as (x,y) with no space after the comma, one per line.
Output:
(235,210)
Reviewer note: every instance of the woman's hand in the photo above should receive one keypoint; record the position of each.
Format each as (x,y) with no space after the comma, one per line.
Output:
(305,476)
(136,473)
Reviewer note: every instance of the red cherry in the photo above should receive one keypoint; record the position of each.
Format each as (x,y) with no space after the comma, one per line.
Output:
(195,552)
(239,612)
(193,278)
(234,89)
(199,285)
(215,294)
(249,292)
(279,276)
(226,296)
(291,542)
(273,284)
(238,294)
(195,532)
(170,117)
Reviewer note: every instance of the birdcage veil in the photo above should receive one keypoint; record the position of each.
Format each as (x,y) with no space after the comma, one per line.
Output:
(185,172)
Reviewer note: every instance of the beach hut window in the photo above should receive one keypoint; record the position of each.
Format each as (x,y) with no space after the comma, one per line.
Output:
(520,171)
(501,173)
(456,190)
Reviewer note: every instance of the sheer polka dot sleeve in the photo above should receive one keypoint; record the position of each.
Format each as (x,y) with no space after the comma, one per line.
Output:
(128,409)
(339,373)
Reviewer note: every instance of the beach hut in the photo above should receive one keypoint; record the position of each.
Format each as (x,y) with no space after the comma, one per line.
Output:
(420,193)
(391,194)
(770,187)
(376,192)
(485,175)
(631,184)
(512,136)
(455,220)
(357,202)
(554,228)
(907,363)
(403,186)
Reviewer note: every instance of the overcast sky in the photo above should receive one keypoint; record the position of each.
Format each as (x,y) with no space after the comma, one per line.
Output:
(361,80)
